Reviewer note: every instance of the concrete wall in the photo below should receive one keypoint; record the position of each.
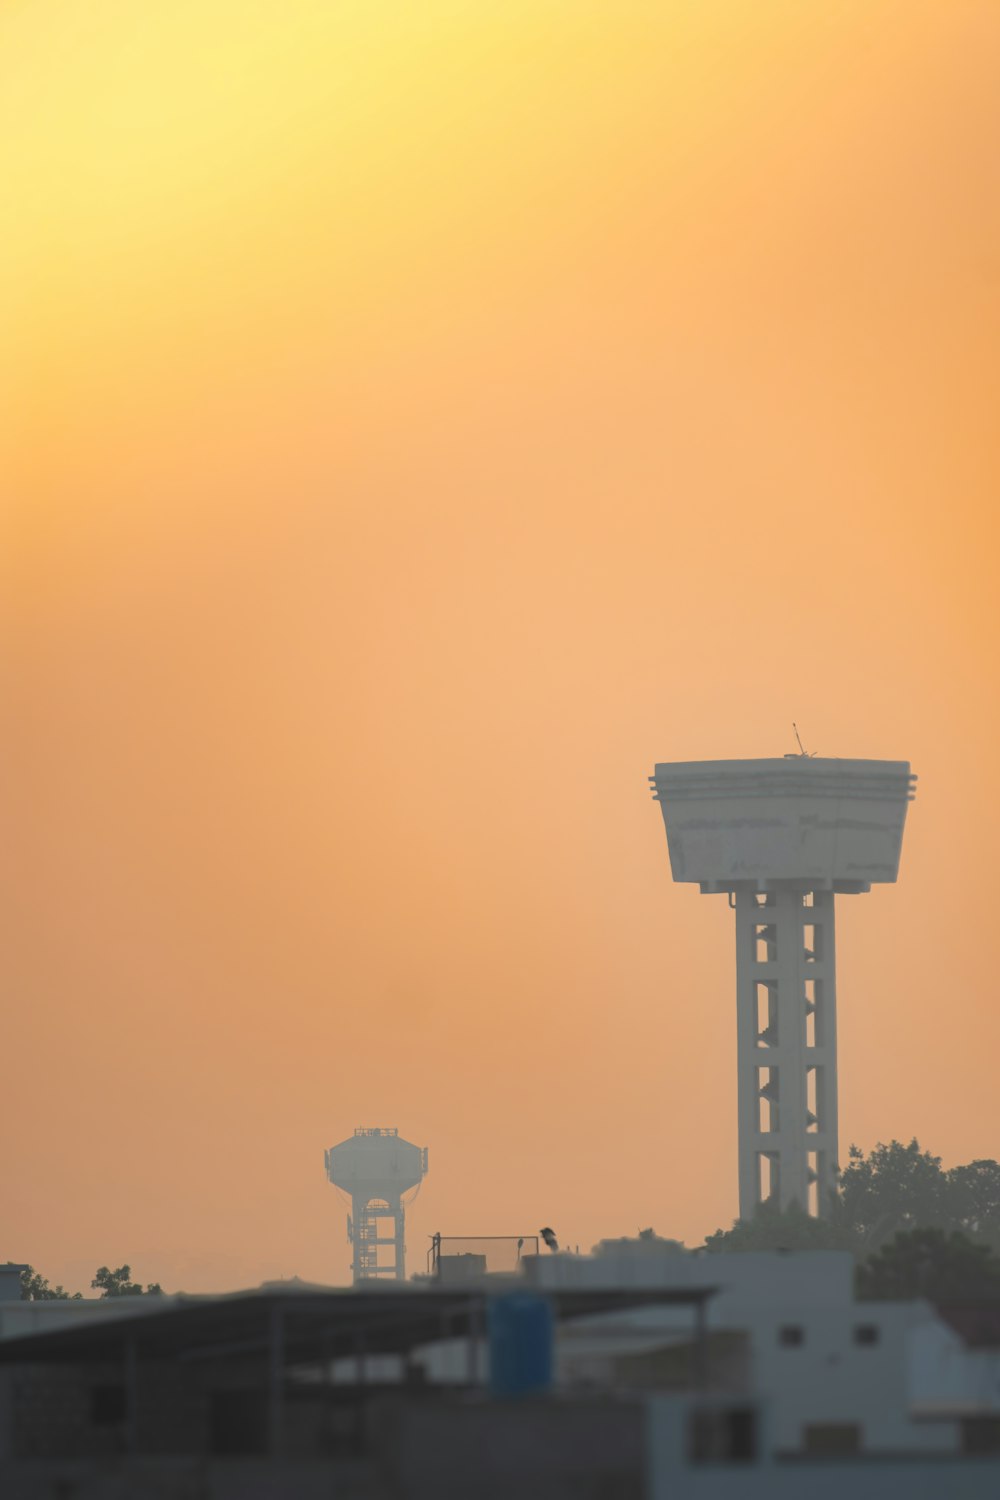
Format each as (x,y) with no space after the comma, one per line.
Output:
(17,1318)
(544,1449)
(189,1479)
(945,1376)
(670,1473)
(10,1281)
(826,1376)
(585,1449)
(831,1378)
(769,1277)
(51,1411)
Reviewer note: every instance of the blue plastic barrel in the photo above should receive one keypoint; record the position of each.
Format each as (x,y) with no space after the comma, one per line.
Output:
(521,1344)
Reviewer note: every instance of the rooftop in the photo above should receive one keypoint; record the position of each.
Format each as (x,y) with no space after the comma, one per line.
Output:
(309,1326)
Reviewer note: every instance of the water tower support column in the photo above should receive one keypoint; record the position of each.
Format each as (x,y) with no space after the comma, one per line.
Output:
(400,1243)
(369,1214)
(786,1045)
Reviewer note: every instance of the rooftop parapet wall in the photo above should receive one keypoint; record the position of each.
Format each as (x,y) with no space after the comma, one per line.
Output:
(828,823)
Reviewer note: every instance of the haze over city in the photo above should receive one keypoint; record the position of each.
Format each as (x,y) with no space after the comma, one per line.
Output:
(421,422)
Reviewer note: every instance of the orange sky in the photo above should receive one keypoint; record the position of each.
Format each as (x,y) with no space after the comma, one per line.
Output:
(418,420)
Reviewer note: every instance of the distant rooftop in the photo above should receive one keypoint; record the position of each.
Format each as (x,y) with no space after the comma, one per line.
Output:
(310,1326)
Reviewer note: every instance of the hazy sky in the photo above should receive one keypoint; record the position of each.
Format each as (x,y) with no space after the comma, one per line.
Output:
(418,419)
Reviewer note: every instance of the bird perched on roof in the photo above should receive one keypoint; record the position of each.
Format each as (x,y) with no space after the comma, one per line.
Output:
(549,1236)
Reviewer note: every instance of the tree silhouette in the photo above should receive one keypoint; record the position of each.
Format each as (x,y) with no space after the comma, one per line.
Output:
(774,1228)
(35,1288)
(119,1283)
(974,1200)
(892,1190)
(946,1267)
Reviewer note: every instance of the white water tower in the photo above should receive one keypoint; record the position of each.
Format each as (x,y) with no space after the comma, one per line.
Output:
(781,838)
(376,1167)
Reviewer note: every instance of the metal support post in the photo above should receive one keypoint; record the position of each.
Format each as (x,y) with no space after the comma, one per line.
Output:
(131,1372)
(275,1382)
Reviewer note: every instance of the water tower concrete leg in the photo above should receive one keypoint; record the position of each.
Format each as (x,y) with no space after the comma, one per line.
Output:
(399,1234)
(786,1046)
(365,1233)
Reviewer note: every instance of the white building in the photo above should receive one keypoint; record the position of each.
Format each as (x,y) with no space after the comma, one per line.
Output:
(836,1375)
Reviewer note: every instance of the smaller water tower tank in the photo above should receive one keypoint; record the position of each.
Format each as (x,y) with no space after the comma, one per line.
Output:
(376,1166)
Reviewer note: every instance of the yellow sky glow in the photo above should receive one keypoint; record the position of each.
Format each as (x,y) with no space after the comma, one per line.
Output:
(417,420)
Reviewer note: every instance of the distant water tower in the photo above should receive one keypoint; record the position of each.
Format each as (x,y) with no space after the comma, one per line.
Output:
(376,1167)
(781,838)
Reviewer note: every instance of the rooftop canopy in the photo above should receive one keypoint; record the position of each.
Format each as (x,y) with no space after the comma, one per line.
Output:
(307,1326)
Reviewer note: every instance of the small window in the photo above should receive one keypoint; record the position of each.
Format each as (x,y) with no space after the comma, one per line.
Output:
(866,1334)
(980,1434)
(791,1336)
(238,1422)
(723,1436)
(107,1405)
(830,1438)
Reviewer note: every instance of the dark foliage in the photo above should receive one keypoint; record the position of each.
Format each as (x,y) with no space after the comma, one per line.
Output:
(773,1228)
(893,1190)
(35,1288)
(119,1283)
(943,1266)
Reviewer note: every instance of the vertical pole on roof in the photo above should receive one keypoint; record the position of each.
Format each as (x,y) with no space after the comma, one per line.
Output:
(131,1372)
(700,1345)
(445,1339)
(328,1360)
(275,1380)
(474,1320)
